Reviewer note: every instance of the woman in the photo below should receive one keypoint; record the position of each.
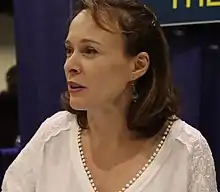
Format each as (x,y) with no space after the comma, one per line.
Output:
(121,132)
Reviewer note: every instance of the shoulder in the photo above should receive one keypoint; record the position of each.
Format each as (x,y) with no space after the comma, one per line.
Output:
(52,127)
(201,167)
(188,136)
(56,124)
(22,173)
(61,117)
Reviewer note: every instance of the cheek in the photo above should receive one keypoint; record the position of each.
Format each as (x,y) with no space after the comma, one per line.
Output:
(120,74)
(110,80)
(65,69)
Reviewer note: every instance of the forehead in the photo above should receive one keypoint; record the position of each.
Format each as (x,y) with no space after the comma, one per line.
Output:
(83,26)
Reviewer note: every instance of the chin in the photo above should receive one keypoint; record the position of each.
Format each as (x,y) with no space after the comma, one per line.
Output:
(78,104)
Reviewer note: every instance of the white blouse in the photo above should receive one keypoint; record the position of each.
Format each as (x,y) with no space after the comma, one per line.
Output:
(51,162)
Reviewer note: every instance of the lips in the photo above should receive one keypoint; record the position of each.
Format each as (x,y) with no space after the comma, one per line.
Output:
(75,87)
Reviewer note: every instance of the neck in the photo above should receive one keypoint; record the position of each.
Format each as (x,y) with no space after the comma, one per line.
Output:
(108,124)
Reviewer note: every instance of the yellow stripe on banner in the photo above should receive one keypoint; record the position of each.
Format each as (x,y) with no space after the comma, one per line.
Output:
(211,3)
(175,4)
(188,3)
(201,3)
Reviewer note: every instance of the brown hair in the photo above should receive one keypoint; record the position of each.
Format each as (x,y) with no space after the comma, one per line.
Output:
(142,33)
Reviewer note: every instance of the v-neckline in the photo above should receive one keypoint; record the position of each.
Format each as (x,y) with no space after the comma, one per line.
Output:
(137,186)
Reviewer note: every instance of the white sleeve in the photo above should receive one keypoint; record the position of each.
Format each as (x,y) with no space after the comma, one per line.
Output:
(202,175)
(22,173)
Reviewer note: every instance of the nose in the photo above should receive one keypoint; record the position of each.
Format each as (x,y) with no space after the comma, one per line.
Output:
(72,66)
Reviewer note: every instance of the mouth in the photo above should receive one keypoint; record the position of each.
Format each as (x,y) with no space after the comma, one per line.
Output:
(74,87)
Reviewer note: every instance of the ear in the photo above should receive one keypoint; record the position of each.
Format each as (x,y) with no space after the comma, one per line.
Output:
(140,65)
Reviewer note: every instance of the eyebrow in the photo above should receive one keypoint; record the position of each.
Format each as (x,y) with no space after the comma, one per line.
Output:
(67,42)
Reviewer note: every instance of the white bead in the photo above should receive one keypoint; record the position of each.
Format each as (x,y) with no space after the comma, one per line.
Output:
(88,172)
(93,184)
(140,171)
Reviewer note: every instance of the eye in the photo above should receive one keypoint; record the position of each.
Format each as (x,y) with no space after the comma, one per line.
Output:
(90,51)
(68,51)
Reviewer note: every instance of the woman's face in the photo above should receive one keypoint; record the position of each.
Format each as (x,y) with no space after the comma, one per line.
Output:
(96,68)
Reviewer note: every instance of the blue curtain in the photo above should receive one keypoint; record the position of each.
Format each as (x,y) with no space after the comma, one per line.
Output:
(185,65)
(40,28)
(196,73)
(210,99)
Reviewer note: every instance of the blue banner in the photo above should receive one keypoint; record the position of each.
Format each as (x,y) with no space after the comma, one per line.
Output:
(182,12)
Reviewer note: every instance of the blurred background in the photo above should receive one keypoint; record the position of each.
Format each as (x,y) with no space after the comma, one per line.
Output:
(32,57)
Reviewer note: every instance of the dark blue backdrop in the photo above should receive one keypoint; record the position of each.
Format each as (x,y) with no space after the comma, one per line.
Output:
(40,28)
(196,69)
(40,32)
